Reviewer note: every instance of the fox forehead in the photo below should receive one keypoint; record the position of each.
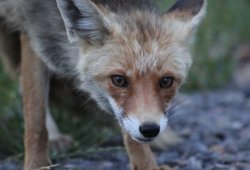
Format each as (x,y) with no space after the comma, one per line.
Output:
(140,43)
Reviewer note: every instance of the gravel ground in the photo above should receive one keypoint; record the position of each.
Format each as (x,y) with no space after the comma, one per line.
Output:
(215,127)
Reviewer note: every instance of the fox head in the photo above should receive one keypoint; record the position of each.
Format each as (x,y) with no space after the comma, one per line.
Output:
(132,59)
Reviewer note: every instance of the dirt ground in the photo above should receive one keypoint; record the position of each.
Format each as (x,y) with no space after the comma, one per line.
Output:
(215,131)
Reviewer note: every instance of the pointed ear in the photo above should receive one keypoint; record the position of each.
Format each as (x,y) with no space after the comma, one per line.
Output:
(83,20)
(184,17)
(189,11)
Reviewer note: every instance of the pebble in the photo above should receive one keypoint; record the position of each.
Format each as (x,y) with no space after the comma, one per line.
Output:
(215,127)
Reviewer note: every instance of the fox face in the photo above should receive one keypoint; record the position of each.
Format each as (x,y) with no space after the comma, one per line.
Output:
(132,62)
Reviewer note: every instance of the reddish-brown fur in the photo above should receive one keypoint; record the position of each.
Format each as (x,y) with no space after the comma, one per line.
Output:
(35,81)
(143,92)
(143,47)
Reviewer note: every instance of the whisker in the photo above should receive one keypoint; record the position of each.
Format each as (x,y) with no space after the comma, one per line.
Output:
(176,105)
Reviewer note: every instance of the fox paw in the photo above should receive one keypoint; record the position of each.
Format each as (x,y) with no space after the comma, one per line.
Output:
(62,143)
(164,167)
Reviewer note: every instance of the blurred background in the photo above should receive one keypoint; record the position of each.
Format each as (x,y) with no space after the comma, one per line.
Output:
(221,61)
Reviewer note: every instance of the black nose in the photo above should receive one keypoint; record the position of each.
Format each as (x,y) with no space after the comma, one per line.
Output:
(149,130)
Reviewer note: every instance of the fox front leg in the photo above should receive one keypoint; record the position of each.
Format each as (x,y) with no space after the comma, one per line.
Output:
(35,81)
(140,155)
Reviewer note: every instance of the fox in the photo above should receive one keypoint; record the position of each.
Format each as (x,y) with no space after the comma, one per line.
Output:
(129,57)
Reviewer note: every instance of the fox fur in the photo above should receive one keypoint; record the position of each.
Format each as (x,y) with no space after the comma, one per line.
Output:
(130,58)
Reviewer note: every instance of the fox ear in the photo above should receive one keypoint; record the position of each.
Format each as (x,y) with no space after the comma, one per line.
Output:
(83,20)
(190,11)
(185,16)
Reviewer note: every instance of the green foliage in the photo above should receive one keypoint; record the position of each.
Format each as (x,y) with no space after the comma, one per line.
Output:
(224,28)
(90,130)
(11,119)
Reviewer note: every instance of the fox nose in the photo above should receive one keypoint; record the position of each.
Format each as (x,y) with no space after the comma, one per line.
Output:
(149,130)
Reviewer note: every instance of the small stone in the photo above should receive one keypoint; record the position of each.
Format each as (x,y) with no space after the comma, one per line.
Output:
(221,167)
(228,159)
(195,164)
(217,148)
(245,133)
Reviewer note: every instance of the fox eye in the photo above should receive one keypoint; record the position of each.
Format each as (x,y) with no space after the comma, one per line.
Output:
(166,82)
(119,81)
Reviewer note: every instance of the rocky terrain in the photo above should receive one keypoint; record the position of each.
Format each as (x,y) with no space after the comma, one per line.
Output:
(215,131)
